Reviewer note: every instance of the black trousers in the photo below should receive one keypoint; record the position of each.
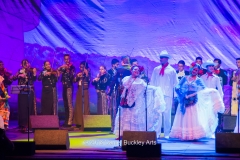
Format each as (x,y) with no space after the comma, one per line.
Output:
(23,103)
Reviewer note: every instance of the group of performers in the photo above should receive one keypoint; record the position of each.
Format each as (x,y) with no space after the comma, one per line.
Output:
(123,91)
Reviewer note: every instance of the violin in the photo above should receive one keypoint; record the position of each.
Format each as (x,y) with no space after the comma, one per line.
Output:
(66,66)
(52,71)
(25,70)
(6,73)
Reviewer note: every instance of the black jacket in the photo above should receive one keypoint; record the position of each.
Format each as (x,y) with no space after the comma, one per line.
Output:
(223,76)
(185,72)
(116,81)
(103,82)
(67,76)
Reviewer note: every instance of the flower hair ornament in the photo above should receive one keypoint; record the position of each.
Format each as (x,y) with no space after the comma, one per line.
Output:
(194,65)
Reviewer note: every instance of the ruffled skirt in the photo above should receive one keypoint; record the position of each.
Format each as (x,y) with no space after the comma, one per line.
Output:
(199,120)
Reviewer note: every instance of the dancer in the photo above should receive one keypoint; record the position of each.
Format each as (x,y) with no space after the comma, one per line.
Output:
(112,99)
(26,76)
(210,79)
(4,105)
(82,106)
(202,71)
(101,83)
(142,75)
(49,101)
(213,81)
(68,73)
(220,72)
(132,106)
(165,77)
(196,115)
(236,78)
(8,79)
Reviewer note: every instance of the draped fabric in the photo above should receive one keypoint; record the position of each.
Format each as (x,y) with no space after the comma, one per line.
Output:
(134,119)
(185,28)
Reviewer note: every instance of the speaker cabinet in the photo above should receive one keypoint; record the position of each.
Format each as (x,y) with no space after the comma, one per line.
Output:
(227,143)
(51,139)
(97,122)
(229,123)
(138,138)
(44,122)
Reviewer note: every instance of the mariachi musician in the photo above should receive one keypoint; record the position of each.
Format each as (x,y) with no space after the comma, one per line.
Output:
(49,78)
(82,106)
(26,76)
(68,72)
(6,75)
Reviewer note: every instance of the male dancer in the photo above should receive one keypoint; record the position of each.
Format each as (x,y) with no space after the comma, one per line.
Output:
(210,79)
(220,72)
(68,73)
(213,81)
(165,76)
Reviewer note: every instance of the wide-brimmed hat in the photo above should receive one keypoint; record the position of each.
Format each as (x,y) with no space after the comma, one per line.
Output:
(164,53)
(208,63)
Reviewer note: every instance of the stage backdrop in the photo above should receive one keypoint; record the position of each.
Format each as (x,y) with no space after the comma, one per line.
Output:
(98,30)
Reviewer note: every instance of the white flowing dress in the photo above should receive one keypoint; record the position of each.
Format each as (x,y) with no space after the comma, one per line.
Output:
(199,120)
(133,119)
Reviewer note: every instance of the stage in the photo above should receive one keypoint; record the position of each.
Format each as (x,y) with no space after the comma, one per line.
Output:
(100,145)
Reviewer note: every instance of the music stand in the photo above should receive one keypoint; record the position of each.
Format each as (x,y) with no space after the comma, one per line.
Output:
(23,89)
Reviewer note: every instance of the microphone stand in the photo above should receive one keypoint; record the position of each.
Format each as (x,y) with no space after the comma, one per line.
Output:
(119,114)
(145,96)
(28,108)
(119,118)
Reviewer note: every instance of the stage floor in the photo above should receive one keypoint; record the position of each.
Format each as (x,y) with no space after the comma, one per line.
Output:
(100,145)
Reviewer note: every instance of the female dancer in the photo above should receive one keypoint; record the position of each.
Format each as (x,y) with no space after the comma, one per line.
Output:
(196,117)
(132,116)
(4,106)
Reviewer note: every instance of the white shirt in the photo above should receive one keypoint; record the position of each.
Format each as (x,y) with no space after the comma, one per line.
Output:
(167,82)
(212,82)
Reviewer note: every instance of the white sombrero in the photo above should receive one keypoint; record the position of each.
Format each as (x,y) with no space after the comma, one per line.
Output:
(164,53)
(208,63)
